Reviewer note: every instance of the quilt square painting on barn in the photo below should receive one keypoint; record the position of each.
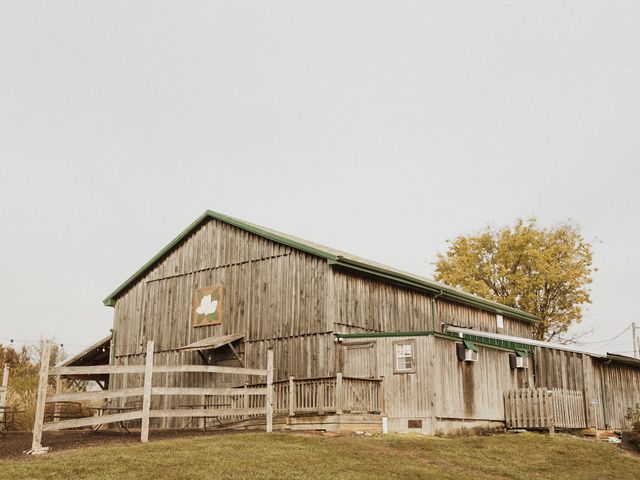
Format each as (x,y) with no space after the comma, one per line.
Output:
(207,306)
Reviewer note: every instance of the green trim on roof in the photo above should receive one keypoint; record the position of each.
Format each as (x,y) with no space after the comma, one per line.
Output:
(333,258)
(434,288)
(249,227)
(516,347)
(384,334)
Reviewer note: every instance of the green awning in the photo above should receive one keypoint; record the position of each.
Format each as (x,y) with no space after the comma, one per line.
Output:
(522,353)
(469,345)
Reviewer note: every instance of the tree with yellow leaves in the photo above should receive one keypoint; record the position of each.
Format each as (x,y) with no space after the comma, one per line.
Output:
(543,271)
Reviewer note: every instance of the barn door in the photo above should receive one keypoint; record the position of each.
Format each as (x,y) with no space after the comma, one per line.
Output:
(359,360)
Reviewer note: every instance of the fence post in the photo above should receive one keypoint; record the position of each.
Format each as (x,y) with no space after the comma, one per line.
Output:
(551,413)
(339,393)
(56,411)
(245,401)
(36,443)
(320,393)
(292,397)
(3,390)
(146,399)
(269,390)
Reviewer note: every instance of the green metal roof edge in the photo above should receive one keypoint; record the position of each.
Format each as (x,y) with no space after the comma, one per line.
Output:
(489,342)
(111,298)
(436,289)
(333,259)
(384,334)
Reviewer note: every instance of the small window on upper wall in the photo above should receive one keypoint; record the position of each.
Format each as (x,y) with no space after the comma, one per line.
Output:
(499,321)
(404,356)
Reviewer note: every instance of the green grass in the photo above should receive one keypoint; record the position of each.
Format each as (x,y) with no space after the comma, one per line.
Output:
(288,456)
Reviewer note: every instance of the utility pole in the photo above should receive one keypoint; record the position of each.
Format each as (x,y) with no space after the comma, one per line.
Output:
(635,339)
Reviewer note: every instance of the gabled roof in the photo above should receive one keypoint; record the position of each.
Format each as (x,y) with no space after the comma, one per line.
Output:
(96,354)
(333,257)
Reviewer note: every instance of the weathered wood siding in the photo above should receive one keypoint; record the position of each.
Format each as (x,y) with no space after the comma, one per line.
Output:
(365,304)
(443,392)
(622,391)
(569,371)
(473,390)
(279,298)
(274,295)
(477,319)
(407,396)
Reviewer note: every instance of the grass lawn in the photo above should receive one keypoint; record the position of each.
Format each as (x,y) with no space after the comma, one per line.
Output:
(288,456)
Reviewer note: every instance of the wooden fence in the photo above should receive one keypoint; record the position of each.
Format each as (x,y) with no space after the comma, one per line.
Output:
(546,409)
(3,392)
(145,413)
(322,395)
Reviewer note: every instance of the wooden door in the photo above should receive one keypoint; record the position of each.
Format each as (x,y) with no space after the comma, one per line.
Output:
(359,360)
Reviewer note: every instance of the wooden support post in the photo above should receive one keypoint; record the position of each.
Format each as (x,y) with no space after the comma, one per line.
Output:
(146,399)
(292,397)
(550,413)
(56,411)
(3,389)
(41,399)
(245,401)
(320,392)
(381,396)
(339,393)
(269,390)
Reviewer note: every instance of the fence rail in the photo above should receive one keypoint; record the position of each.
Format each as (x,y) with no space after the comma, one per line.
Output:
(543,408)
(242,397)
(337,394)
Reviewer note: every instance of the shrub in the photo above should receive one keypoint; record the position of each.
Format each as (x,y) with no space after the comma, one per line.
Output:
(633,416)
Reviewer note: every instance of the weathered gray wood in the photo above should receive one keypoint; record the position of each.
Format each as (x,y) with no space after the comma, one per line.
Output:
(146,400)
(208,369)
(99,369)
(56,411)
(339,393)
(103,394)
(205,412)
(292,397)
(3,389)
(5,386)
(550,414)
(90,421)
(190,391)
(269,390)
(36,443)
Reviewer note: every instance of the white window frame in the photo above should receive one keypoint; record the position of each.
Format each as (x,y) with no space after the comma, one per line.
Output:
(412,355)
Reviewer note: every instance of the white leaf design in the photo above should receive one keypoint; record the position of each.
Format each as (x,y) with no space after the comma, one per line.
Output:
(207,305)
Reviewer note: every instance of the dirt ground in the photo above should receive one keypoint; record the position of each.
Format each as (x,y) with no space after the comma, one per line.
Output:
(15,444)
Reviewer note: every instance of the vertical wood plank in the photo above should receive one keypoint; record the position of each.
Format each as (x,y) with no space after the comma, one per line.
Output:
(339,393)
(292,396)
(269,390)
(146,399)
(3,389)
(36,443)
(56,411)
(550,413)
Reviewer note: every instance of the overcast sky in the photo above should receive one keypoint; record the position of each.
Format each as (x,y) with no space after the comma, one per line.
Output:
(381,128)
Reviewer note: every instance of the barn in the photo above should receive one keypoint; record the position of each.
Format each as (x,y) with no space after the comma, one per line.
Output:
(356,344)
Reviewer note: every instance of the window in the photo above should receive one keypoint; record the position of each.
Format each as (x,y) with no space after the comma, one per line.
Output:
(404,361)
(499,321)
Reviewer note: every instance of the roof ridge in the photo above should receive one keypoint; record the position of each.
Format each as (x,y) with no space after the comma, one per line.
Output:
(334,257)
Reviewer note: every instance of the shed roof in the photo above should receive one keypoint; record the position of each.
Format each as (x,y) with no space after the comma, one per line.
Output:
(213,342)
(333,257)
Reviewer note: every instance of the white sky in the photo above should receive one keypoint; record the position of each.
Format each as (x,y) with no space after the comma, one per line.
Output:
(381,128)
